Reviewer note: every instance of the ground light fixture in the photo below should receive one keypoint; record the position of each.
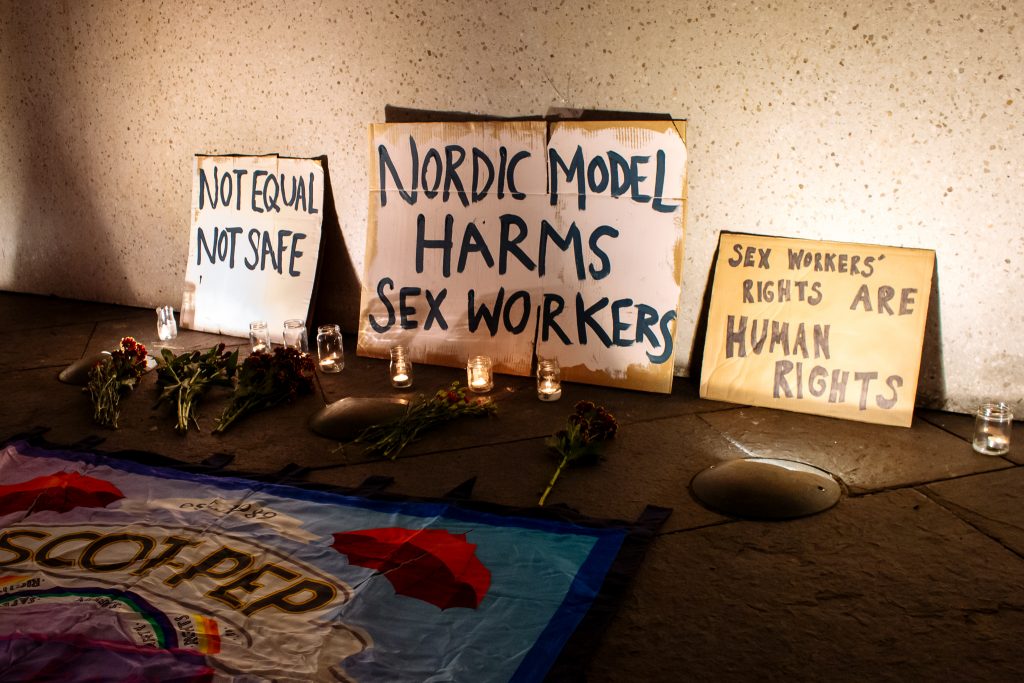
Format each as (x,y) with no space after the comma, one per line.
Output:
(765,488)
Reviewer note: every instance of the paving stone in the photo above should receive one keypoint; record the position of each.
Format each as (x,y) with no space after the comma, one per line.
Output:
(44,347)
(142,326)
(31,398)
(29,311)
(865,457)
(520,415)
(651,463)
(263,442)
(992,502)
(887,587)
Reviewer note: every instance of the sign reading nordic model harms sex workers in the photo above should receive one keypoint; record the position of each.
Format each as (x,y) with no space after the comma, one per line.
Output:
(499,238)
(828,328)
(254,242)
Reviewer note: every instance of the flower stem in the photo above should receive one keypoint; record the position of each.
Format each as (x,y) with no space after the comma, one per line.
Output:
(554,478)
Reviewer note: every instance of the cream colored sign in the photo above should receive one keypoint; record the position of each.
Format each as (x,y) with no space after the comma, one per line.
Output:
(829,328)
(508,238)
(254,242)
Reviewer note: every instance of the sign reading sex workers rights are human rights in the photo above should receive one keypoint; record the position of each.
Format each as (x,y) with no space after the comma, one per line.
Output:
(830,328)
(506,238)
(254,242)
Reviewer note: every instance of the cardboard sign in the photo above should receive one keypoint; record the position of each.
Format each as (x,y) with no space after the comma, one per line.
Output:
(828,328)
(254,242)
(503,238)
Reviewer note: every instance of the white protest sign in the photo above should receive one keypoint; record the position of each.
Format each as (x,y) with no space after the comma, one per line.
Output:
(254,242)
(489,238)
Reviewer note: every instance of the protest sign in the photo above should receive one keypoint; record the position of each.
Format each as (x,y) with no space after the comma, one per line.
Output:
(508,237)
(254,242)
(828,328)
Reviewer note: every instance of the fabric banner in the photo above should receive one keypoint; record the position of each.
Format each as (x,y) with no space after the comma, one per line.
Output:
(120,569)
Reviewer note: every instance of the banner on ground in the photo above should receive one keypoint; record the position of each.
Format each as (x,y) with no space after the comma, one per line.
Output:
(110,568)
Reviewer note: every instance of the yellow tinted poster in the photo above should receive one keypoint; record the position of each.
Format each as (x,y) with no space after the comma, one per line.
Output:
(829,328)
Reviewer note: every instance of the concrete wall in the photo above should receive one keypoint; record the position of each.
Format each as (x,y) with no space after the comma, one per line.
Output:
(899,125)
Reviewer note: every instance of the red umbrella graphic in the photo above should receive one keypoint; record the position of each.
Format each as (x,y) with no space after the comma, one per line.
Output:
(60,492)
(433,565)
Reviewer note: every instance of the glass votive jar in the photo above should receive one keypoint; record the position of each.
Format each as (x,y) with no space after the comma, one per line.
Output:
(166,327)
(329,348)
(259,336)
(400,369)
(549,380)
(295,335)
(992,424)
(479,376)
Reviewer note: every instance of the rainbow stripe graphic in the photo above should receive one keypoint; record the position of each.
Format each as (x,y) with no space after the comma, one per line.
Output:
(208,634)
(12,579)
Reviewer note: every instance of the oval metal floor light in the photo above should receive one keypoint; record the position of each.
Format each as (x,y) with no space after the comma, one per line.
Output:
(766,488)
(78,372)
(347,417)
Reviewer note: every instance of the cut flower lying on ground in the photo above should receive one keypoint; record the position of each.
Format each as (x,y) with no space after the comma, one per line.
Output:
(581,442)
(388,439)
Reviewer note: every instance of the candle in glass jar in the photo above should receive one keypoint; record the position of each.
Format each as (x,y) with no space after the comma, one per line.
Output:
(400,368)
(549,380)
(992,425)
(479,375)
(295,335)
(166,327)
(329,348)
(259,336)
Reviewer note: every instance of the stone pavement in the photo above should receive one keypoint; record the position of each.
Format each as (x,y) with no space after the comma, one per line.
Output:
(917,574)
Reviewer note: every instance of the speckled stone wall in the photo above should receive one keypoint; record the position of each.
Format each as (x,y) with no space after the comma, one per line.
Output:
(898,124)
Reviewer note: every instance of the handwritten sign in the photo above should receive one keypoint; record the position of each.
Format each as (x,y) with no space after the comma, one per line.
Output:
(254,242)
(828,328)
(506,238)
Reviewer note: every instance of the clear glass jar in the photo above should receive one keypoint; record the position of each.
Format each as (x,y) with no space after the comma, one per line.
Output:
(479,376)
(400,369)
(259,336)
(992,425)
(295,335)
(329,348)
(166,327)
(549,380)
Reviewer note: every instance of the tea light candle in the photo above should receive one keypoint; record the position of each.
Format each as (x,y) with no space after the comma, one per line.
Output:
(549,380)
(400,368)
(479,376)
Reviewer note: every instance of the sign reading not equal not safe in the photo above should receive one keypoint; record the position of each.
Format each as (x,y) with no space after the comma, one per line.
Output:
(503,238)
(828,328)
(254,242)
